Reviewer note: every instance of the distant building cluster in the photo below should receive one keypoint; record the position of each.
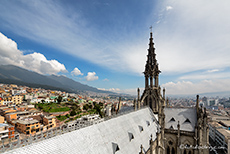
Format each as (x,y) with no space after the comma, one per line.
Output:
(19,116)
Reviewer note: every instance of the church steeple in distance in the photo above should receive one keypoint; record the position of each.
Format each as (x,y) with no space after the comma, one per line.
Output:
(151,67)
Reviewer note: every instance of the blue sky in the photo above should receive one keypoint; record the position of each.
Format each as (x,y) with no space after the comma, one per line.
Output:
(103,43)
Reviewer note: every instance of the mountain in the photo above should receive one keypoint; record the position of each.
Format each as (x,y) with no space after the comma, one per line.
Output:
(74,85)
(11,74)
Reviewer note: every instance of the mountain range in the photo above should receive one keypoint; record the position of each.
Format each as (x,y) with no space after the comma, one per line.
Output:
(10,74)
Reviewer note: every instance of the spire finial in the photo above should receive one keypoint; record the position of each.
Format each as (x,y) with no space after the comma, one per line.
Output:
(151,31)
(141,150)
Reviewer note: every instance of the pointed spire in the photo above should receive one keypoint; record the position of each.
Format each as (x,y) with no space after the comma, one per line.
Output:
(197,103)
(119,105)
(138,94)
(167,102)
(178,133)
(151,140)
(134,103)
(151,67)
(141,150)
(151,40)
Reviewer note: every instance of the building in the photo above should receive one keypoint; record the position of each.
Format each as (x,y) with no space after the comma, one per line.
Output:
(180,127)
(2,119)
(219,136)
(28,126)
(11,116)
(17,99)
(49,122)
(6,131)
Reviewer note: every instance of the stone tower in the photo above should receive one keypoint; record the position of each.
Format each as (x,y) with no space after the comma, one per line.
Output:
(152,96)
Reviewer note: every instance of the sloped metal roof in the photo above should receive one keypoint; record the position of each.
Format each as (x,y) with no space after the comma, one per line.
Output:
(181,115)
(109,137)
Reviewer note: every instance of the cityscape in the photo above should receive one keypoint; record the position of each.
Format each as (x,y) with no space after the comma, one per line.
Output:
(114,77)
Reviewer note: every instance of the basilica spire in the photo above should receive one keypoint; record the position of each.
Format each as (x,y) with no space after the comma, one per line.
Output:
(151,96)
(151,67)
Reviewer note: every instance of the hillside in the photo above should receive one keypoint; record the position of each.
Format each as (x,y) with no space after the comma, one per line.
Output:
(11,74)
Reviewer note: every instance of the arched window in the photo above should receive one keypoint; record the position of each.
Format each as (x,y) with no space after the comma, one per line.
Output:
(173,151)
(184,151)
(189,152)
(168,150)
(151,103)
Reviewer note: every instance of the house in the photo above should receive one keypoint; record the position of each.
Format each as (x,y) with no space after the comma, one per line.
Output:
(17,99)
(6,131)
(49,121)
(28,126)
(11,116)
(2,119)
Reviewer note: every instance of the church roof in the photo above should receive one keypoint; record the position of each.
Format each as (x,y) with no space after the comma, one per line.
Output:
(186,116)
(120,135)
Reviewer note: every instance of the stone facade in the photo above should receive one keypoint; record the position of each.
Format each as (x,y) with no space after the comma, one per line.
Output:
(182,130)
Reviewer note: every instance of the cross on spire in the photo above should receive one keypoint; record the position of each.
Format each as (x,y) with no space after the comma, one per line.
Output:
(151,27)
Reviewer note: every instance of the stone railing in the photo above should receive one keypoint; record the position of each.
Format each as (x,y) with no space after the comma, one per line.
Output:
(53,132)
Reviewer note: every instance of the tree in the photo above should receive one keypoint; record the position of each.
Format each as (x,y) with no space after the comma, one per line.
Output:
(59,99)
(90,106)
(72,113)
(86,107)
(98,109)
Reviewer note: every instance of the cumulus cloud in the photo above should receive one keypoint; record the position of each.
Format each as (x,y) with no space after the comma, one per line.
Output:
(76,72)
(197,37)
(37,62)
(91,76)
(209,74)
(169,8)
(106,79)
(132,91)
(191,37)
(213,70)
(204,86)
(116,90)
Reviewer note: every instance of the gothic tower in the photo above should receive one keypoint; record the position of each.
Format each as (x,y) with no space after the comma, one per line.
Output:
(152,96)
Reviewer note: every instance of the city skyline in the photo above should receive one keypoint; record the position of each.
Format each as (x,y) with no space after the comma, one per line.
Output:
(104,43)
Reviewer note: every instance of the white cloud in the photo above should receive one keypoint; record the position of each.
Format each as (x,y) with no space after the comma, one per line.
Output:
(40,21)
(193,36)
(210,74)
(37,62)
(76,72)
(106,79)
(204,86)
(169,8)
(132,91)
(213,70)
(189,38)
(116,90)
(91,76)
